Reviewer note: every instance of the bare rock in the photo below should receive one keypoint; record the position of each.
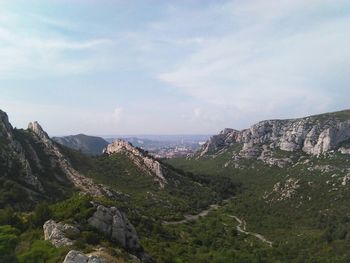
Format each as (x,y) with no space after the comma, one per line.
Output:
(314,135)
(283,191)
(344,150)
(114,224)
(140,159)
(56,233)
(74,256)
(80,181)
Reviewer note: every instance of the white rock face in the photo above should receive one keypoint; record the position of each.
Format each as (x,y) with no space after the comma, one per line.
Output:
(14,151)
(282,191)
(115,224)
(344,150)
(80,181)
(5,126)
(74,256)
(142,160)
(314,135)
(56,233)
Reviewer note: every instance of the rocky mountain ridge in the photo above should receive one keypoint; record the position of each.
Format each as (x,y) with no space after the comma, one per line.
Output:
(80,181)
(141,159)
(314,135)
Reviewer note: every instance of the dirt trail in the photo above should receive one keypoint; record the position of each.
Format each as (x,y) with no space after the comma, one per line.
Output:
(193,217)
(242,226)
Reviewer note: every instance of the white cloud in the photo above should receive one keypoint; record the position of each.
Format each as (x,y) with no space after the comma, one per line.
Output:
(270,61)
(30,53)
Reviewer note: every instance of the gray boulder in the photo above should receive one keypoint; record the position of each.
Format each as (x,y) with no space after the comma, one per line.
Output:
(57,233)
(115,225)
(74,256)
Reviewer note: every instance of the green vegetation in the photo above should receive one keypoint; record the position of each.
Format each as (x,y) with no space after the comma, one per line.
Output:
(309,224)
(140,194)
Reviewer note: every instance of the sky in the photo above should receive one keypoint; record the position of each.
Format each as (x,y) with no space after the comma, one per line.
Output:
(109,67)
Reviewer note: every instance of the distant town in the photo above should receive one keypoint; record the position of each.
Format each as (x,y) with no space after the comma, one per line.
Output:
(167,146)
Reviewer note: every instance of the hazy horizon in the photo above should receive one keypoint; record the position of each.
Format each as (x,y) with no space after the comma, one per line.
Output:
(171,67)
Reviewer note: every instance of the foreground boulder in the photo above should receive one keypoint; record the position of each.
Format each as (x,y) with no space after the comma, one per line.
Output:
(57,233)
(115,225)
(74,256)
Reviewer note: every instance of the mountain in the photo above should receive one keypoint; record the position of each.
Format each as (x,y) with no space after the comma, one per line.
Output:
(295,177)
(86,144)
(28,172)
(56,202)
(314,135)
(276,192)
(140,158)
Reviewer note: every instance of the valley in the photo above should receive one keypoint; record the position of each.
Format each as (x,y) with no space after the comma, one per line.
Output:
(242,197)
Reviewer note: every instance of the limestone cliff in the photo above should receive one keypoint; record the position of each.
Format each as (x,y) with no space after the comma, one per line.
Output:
(12,155)
(58,159)
(314,135)
(141,159)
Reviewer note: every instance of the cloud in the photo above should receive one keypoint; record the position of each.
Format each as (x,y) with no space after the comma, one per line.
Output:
(276,58)
(27,53)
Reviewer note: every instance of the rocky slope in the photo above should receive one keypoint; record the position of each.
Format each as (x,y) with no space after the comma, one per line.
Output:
(109,221)
(314,135)
(84,143)
(140,158)
(35,168)
(80,181)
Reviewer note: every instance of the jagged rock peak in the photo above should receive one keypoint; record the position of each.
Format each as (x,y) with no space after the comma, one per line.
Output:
(120,145)
(5,125)
(38,130)
(140,159)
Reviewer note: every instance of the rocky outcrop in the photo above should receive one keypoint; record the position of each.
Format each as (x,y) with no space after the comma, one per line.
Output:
(80,181)
(314,135)
(5,126)
(283,191)
(142,160)
(57,233)
(344,150)
(12,153)
(115,225)
(74,256)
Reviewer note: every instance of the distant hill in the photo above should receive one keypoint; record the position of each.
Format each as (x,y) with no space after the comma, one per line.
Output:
(87,144)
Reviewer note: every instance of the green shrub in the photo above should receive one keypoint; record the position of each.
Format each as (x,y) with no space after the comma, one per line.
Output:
(8,242)
(42,252)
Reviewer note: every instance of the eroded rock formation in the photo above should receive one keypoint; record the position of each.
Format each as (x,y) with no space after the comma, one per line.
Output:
(145,162)
(74,256)
(115,225)
(314,135)
(57,233)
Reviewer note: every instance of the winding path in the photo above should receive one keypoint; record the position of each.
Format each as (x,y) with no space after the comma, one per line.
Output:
(242,228)
(193,217)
